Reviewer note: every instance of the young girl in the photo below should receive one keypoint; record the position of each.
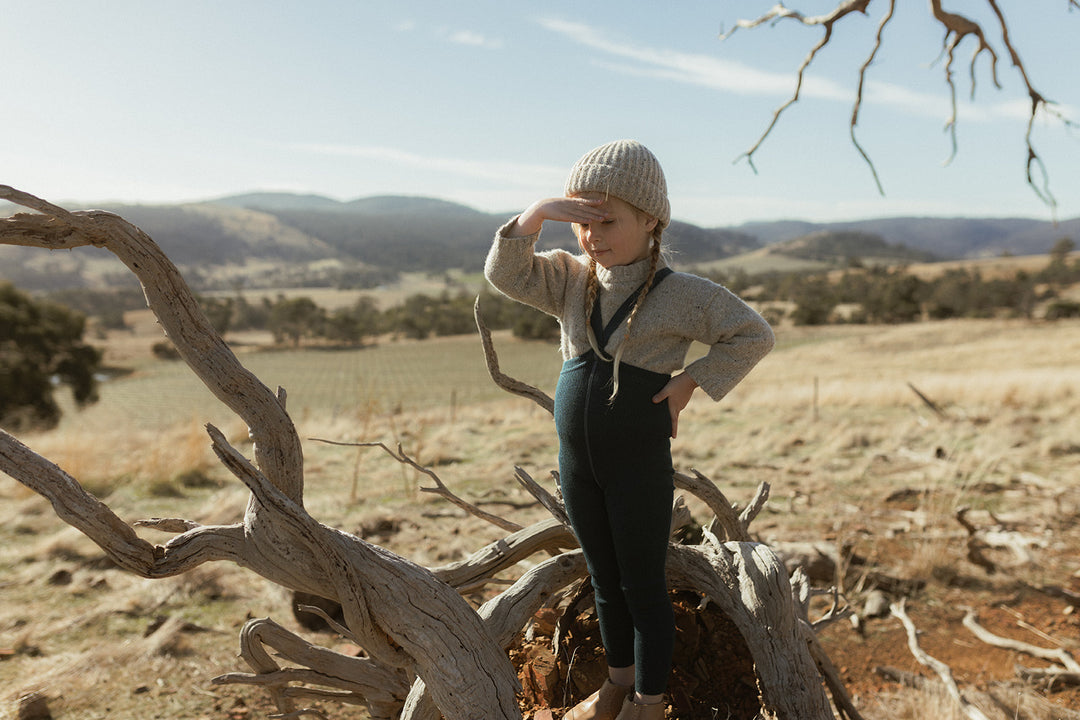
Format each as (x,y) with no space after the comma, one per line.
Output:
(627,322)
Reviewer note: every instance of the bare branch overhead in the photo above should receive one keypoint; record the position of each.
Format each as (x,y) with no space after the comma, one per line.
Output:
(957,28)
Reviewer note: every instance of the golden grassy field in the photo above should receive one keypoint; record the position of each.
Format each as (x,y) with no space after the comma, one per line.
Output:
(452,281)
(829,419)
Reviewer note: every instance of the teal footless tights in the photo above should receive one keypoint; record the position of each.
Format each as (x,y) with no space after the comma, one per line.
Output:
(616,479)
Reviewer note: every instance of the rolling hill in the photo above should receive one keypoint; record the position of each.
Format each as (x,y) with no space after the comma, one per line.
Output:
(283,239)
(950,238)
(822,250)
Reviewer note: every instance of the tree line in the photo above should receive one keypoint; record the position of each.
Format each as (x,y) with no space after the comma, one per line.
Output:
(895,295)
(42,344)
(857,294)
(299,319)
(294,321)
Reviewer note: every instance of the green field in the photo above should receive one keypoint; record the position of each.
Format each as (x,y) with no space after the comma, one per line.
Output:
(382,378)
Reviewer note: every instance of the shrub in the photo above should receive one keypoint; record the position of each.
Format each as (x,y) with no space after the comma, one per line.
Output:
(1063,309)
(165,350)
(41,347)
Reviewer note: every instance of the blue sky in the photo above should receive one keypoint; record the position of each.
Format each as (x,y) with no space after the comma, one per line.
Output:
(489,103)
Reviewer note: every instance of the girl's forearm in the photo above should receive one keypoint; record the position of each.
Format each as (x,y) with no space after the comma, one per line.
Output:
(527,223)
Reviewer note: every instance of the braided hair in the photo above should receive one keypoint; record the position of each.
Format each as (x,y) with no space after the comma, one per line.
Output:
(592,292)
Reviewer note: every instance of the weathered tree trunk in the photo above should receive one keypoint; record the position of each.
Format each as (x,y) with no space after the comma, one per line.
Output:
(401,614)
(429,652)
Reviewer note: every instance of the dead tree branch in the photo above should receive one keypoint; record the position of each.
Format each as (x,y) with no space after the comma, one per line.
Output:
(277,446)
(733,525)
(997,536)
(553,504)
(859,92)
(957,28)
(826,22)
(1057,655)
(752,587)
(502,380)
(545,536)
(942,670)
(358,680)
(440,488)
(406,617)
(831,675)
(942,415)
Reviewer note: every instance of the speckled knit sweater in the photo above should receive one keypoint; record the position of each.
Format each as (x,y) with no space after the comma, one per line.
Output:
(682,309)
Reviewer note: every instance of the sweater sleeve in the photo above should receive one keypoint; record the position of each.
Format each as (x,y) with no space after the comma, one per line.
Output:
(537,279)
(738,337)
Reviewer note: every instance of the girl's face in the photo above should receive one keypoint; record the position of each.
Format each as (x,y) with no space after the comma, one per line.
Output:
(622,239)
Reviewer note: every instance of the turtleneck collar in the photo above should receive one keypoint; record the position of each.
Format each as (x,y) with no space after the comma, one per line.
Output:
(625,277)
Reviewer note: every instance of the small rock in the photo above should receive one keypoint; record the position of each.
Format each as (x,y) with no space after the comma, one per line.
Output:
(60,577)
(33,706)
(876,605)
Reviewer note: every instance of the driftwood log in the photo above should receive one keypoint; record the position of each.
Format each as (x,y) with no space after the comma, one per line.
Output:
(428,652)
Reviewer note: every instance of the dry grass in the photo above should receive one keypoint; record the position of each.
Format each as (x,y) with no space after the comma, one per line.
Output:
(932,701)
(829,420)
(406,285)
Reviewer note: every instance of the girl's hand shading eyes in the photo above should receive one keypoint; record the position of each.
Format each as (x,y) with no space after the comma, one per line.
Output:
(559,209)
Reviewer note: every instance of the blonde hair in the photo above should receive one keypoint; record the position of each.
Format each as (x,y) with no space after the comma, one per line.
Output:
(593,292)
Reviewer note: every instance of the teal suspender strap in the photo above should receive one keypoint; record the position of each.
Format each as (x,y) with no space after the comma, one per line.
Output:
(602,333)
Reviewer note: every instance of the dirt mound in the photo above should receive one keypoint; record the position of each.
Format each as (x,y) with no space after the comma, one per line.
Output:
(712,674)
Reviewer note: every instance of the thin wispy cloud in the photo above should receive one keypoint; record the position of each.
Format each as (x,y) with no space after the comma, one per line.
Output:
(467,37)
(690,68)
(474,39)
(736,77)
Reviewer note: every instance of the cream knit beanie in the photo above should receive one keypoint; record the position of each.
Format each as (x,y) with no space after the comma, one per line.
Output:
(627,170)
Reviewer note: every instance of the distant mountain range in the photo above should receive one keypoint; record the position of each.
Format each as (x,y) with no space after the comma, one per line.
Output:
(946,238)
(281,238)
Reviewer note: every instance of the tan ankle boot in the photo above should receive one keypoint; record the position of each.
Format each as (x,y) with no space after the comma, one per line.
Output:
(635,711)
(604,704)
